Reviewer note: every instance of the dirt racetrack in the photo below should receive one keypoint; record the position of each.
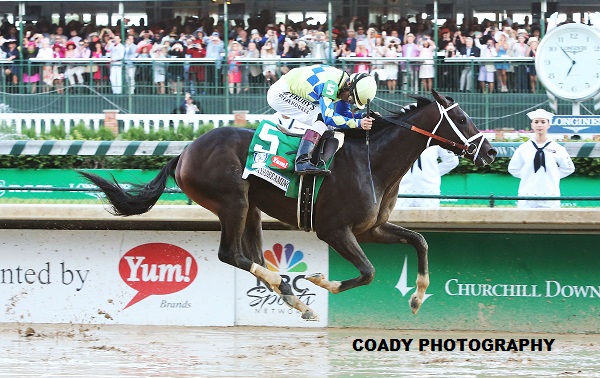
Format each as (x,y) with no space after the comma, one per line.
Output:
(64,350)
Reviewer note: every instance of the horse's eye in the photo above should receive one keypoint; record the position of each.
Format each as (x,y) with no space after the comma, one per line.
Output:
(463,120)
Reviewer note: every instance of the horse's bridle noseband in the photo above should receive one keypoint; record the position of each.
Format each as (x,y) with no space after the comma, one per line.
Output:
(468,147)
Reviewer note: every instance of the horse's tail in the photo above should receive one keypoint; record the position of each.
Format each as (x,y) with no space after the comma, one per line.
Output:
(145,197)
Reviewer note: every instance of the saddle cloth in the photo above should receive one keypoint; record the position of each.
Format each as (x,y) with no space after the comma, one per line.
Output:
(271,157)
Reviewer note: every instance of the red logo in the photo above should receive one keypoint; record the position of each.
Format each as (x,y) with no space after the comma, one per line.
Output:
(157,269)
(280,162)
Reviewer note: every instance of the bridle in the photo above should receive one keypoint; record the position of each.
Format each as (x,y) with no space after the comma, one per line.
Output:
(468,147)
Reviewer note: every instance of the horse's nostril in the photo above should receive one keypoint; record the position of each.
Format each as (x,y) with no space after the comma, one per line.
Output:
(492,152)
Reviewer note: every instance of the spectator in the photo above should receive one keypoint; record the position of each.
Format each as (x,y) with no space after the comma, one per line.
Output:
(426,72)
(130,68)
(502,48)
(144,69)
(98,70)
(488,69)
(466,75)
(12,72)
(363,66)
(351,40)
(57,76)
(234,70)
(254,70)
(379,50)
(391,67)
(188,106)
(215,49)
(532,42)
(270,65)
(256,38)
(46,52)
(540,163)
(72,70)
(159,67)
(31,74)
(116,52)
(411,50)
(519,49)
(303,50)
(425,177)
(288,51)
(175,71)
(448,76)
(197,70)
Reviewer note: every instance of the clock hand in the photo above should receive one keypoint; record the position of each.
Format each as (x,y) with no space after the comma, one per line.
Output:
(572,65)
(566,53)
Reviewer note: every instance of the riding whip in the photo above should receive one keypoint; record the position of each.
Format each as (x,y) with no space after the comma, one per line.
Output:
(368,108)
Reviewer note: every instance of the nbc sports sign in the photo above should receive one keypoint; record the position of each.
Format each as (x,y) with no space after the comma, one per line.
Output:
(293,255)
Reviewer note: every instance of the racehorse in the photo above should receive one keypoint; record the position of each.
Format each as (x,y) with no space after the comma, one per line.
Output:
(209,171)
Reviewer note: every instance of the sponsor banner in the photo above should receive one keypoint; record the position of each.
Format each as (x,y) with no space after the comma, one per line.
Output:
(572,124)
(479,281)
(293,255)
(115,277)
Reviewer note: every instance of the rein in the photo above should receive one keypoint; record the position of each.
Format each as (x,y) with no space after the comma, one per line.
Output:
(467,147)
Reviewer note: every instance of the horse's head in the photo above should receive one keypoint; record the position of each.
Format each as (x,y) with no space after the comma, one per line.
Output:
(455,131)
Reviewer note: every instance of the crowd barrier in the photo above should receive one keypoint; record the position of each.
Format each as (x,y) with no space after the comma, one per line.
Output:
(491,269)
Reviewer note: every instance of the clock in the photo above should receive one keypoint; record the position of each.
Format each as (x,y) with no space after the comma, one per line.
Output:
(567,61)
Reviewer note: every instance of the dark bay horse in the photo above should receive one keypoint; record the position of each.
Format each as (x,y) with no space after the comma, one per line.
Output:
(209,171)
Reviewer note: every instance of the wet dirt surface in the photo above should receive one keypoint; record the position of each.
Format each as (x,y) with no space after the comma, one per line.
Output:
(63,350)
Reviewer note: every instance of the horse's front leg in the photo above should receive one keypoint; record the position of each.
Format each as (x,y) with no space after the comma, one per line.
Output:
(344,242)
(389,233)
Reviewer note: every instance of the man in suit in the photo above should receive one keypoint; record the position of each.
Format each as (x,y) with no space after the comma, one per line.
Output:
(466,76)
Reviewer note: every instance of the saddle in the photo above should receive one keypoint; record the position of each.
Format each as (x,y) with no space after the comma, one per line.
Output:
(329,143)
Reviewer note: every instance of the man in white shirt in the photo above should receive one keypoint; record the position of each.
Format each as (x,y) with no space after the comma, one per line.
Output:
(540,163)
(425,177)
(116,52)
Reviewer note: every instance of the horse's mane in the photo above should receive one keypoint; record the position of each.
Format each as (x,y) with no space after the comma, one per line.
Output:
(383,122)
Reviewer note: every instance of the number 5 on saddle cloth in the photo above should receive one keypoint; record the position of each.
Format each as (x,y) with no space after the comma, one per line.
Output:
(271,157)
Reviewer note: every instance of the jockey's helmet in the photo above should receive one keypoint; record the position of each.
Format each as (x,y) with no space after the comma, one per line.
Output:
(363,88)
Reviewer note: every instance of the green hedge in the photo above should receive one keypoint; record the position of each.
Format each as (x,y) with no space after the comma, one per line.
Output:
(584,166)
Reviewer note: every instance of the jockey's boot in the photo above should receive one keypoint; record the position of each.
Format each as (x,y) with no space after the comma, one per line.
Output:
(303,165)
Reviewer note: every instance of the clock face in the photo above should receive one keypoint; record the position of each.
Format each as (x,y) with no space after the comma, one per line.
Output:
(568,61)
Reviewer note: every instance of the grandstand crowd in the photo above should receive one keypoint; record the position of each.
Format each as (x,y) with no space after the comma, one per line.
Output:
(139,57)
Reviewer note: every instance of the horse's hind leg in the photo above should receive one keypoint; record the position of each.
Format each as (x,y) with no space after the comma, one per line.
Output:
(389,233)
(241,246)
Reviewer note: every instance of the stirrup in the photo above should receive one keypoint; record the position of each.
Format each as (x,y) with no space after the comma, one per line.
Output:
(310,169)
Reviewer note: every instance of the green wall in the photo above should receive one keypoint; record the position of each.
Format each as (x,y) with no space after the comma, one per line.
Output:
(543,260)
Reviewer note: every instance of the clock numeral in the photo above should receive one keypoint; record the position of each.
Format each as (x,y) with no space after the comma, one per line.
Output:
(573,89)
(547,62)
(596,48)
(561,39)
(552,48)
(574,35)
(551,75)
(561,85)
(597,75)
(587,85)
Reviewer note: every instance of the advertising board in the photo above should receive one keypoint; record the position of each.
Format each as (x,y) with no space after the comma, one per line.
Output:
(479,281)
(124,277)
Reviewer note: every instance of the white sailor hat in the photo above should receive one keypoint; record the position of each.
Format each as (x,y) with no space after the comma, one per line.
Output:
(540,113)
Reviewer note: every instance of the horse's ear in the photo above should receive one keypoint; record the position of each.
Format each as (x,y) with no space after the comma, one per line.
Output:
(421,101)
(440,99)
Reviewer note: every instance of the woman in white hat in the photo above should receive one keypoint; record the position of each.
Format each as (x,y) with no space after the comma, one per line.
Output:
(540,163)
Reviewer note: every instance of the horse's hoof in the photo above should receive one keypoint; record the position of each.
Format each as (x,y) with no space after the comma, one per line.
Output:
(315,278)
(415,304)
(310,315)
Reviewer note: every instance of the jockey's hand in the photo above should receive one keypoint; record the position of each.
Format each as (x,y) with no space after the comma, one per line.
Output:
(366,123)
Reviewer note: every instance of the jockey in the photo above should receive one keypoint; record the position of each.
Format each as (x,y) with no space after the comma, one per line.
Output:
(320,96)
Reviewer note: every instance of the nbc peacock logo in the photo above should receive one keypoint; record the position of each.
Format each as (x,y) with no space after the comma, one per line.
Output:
(285,259)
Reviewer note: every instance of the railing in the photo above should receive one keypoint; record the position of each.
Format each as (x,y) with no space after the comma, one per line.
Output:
(491,199)
(206,80)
